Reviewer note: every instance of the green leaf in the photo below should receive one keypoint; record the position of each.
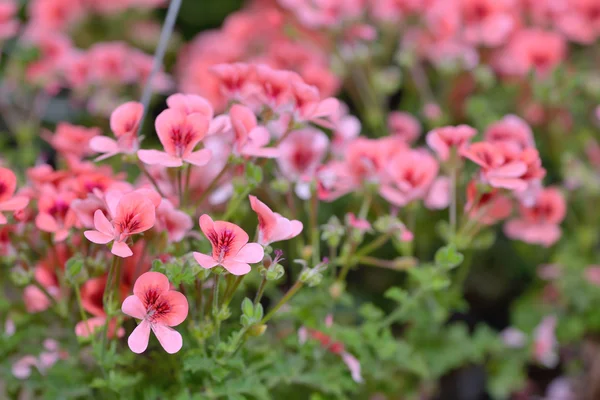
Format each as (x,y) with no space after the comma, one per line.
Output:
(448,257)
(396,294)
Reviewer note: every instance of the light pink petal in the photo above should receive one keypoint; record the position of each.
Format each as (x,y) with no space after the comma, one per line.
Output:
(178,308)
(121,249)
(103,144)
(259,137)
(438,145)
(207,225)
(155,157)
(205,261)
(151,281)
(250,253)
(102,224)
(236,267)
(151,195)
(353,365)
(81,329)
(61,235)
(138,340)
(327,107)
(97,237)
(3,219)
(134,307)
(508,183)
(136,206)
(511,170)
(199,158)
(393,196)
(169,338)
(112,201)
(46,222)
(15,204)
(167,122)
(22,368)
(262,152)
(296,228)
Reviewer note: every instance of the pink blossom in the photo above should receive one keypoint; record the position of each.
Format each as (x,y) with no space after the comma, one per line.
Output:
(21,369)
(512,130)
(411,175)
(444,140)
(359,224)
(250,139)
(301,154)
(532,49)
(84,329)
(545,344)
(487,22)
(539,224)
(191,104)
(487,207)
(179,134)
(159,309)
(309,106)
(35,299)
(230,247)
(175,222)
(580,20)
(124,122)
(55,214)
(592,274)
(8,200)
(500,167)
(404,125)
(273,227)
(72,140)
(8,23)
(134,213)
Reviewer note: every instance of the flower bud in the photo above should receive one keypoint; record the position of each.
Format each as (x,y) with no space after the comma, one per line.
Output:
(257,330)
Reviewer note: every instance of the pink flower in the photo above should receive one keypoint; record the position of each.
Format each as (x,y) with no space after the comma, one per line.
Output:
(592,274)
(84,329)
(272,227)
(230,247)
(443,140)
(134,213)
(489,207)
(21,369)
(310,107)
(250,139)
(175,222)
(301,154)
(500,167)
(8,23)
(539,224)
(179,134)
(512,130)
(159,309)
(535,49)
(36,300)
(124,122)
(545,344)
(404,125)
(55,214)
(72,140)
(359,224)
(580,20)
(487,22)
(8,200)
(411,174)
(513,338)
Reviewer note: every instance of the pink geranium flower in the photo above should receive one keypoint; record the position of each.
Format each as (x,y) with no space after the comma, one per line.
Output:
(489,207)
(250,139)
(310,107)
(411,174)
(272,227)
(179,134)
(134,213)
(55,214)
(8,200)
(230,247)
(159,309)
(124,122)
(404,125)
(487,22)
(443,140)
(580,20)
(500,168)
(175,222)
(511,130)
(190,104)
(72,140)
(540,223)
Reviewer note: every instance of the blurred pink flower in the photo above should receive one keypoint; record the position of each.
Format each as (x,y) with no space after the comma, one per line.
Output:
(411,175)
(8,200)
(487,22)
(510,129)
(250,139)
(438,196)
(175,222)
(545,344)
(159,308)
(580,20)
(230,247)
(404,125)
(443,140)
(273,227)
(55,214)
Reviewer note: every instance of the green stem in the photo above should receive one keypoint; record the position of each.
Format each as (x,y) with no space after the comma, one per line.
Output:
(261,290)
(290,293)
(82,312)
(215,307)
(231,292)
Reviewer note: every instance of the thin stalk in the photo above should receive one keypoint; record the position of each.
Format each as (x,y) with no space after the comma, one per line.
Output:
(150,177)
(236,284)
(180,186)
(215,307)
(261,290)
(290,293)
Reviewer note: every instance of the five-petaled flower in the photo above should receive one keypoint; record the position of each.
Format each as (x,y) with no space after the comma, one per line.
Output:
(230,247)
(273,227)
(159,308)
(134,213)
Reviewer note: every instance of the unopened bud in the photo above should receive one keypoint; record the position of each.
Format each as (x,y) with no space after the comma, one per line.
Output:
(257,330)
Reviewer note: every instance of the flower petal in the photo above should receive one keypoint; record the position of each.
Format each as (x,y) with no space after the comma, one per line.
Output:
(121,249)
(134,307)
(250,253)
(103,144)
(46,222)
(178,308)
(206,262)
(169,338)
(138,340)
(236,267)
(199,158)
(155,157)
(102,224)
(14,204)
